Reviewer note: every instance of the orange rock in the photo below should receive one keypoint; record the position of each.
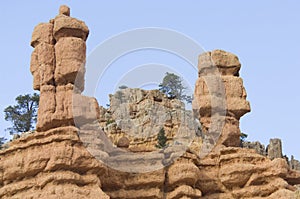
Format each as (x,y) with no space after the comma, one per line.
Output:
(42,33)
(42,65)
(54,162)
(64,10)
(226,63)
(65,26)
(219,92)
(70,61)
(50,164)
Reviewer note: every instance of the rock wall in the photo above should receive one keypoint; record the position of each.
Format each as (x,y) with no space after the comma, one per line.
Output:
(59,160)
(135,116)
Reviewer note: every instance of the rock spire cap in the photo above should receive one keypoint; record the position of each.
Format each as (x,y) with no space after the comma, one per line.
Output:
(64,10)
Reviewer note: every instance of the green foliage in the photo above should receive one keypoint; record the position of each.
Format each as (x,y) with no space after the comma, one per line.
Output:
(2,141)
(109,121)
(173,87)
(243,137)
(161,139)
(23,116)
(123,87)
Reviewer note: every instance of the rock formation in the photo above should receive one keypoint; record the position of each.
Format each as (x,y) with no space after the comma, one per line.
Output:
(219,92)
(274,149)
(294,164)
(257,146)
(57,61)
(138,115)
(52,162)
(61,159)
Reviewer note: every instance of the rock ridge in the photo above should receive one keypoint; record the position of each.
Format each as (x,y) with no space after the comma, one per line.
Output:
(272,151)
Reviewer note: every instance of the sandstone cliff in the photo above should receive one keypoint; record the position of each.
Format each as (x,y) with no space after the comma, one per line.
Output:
(70,156)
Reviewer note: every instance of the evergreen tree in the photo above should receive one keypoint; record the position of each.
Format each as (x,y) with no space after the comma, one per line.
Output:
(2,140)
(23,116)
(123,87)
(161,139)
(173,87)
(243,137)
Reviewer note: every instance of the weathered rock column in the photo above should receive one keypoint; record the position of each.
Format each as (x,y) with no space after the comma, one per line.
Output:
(54,162)
(224,67)
(56,62)
(274,149)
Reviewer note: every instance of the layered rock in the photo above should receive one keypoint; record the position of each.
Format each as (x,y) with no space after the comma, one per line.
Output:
(175,181)
(57,65)
(242,173)
(228,171)
(273,150)
(53,162)
(59,160)
(220,97)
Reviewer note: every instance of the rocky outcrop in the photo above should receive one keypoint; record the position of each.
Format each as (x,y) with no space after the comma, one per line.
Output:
(294,164)
(242,173)
(220,97)
(138,115)
(257,146)
(274,149)
(226,172)
(52,162)
(70,156)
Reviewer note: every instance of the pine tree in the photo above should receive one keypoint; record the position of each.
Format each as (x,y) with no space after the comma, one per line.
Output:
(161,139)
(24,114)
(172,86)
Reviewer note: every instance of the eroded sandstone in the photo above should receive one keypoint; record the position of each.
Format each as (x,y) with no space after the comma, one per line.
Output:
(219,92)
(61,159)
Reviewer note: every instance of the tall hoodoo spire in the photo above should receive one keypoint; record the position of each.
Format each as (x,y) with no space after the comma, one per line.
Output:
(236,105)
(57,61)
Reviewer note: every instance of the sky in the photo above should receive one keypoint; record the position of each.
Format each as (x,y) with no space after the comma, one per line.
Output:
(265,35)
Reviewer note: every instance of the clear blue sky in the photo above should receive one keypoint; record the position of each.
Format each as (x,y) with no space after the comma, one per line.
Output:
(264,34)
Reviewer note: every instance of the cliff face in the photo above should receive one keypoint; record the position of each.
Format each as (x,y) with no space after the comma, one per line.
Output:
(138,115)
(70,156)
(50,164)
